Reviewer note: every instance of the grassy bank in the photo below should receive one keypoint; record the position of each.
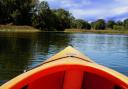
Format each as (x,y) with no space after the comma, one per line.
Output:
(13,28)
(98,31)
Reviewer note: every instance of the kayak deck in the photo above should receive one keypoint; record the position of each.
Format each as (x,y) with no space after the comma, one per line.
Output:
(69,69)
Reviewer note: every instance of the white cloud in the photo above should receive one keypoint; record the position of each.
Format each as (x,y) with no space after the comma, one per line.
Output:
(70,3)
(92,9)
(120,10)
(122,1)
(48,0)
(81,13)
(73,4)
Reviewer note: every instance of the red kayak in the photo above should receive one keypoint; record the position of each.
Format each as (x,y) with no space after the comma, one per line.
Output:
(69,69)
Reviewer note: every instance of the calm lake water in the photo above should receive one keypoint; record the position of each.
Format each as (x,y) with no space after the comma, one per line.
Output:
(19,51)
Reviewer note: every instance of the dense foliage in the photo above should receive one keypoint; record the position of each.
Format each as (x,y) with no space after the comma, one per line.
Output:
(111,24)
(80,24)
(100,24)
(41,16)
(18,12)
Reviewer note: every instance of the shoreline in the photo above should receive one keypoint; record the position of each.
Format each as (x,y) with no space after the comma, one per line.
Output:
(123,32)
(14,28)
(30,29)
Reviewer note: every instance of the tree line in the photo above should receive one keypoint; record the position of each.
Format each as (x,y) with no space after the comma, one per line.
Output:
(41,16)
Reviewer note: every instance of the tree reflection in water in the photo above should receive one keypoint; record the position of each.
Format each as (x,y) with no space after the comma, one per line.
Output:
(19,51)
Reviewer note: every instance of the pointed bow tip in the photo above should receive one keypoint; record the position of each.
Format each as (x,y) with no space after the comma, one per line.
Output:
(70,48)
(69,52)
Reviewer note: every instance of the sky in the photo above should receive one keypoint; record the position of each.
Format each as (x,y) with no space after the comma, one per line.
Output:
(92,10)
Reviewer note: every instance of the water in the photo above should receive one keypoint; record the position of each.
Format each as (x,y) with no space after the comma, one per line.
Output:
(19,51)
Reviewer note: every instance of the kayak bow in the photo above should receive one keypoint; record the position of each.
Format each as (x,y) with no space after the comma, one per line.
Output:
(69,69)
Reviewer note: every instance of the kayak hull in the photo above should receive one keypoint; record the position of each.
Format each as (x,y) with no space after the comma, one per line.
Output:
(69,71)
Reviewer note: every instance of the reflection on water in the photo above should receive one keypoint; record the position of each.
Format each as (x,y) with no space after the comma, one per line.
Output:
(19,51)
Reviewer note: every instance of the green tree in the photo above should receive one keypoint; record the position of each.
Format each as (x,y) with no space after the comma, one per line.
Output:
(110,24)
(93,25)
(44,18)
(6,8)
(63,19)
(119,23)
(47,19)
(118,27)
(126,23)
(81,24)
(72,22)
(100,24)
(24,11)
(17,11)
(1,12)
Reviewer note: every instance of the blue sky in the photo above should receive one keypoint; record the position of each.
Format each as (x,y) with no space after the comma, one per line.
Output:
(93,9)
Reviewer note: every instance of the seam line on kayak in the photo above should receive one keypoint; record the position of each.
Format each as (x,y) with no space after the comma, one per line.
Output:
(58,59)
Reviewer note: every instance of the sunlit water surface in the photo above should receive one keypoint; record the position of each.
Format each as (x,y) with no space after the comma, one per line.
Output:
(19,51)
